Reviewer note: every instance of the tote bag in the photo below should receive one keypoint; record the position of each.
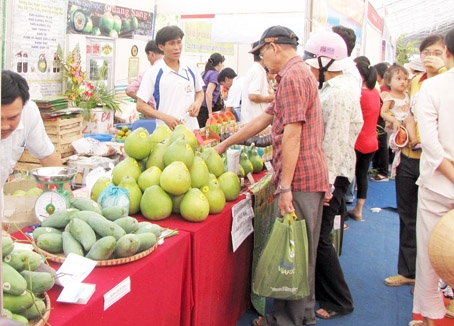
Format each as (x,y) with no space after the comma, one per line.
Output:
(282,268)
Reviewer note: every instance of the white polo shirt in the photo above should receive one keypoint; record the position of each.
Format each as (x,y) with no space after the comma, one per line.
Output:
(30,134)
(173,92)
(255,82)
(234,95)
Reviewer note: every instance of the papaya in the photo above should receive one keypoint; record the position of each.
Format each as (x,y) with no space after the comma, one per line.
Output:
(18,303)
(23,260)
(128,223)
(127,246)
(86,204)
(13,282)
(7,245)
(113,213)
(102,249)
(36,310)
(38,282)
(105,227)
(82,232)
(71,245)
(146,240)
(42,230)
(50,242)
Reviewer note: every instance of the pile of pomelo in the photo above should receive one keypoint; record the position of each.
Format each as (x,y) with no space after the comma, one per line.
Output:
(165,172)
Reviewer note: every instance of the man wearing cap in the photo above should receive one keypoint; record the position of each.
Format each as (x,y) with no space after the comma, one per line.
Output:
(300,170)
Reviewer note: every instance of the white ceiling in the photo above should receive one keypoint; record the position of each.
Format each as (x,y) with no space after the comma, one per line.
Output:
(416,18)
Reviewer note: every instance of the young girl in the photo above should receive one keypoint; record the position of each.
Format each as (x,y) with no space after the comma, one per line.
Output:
(396,104)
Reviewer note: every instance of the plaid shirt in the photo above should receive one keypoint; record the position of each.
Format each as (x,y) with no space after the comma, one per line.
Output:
(297,100)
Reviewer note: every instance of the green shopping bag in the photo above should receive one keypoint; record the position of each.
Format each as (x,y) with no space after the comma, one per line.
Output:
(282,268)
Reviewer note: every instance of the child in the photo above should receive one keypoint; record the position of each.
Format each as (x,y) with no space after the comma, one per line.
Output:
(396,104)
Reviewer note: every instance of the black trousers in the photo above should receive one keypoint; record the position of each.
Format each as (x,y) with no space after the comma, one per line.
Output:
(380,161)
(407,200)
(361,169)
(331,289)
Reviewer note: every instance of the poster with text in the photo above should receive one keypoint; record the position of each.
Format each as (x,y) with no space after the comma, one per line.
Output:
(38,27)
(100,19)
(197,38)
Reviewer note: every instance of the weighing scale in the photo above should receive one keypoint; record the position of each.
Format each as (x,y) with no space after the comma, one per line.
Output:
(54,197)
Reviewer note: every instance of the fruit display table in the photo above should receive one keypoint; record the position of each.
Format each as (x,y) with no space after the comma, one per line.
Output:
(221,278)
(161,285)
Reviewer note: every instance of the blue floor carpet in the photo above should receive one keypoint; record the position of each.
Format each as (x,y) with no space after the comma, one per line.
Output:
(369,256)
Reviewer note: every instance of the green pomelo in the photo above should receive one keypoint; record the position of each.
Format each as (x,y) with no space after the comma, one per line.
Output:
(155,204)
(199,172)
(137,144)
(213,160)
(181,131)
(175,178)
(117,23)
(19,192)
(176,201)
(35,191)
(230,185)
(156,157)
(149,177)
(126,26)
(134,23)
(106,23)
(245,163)
(181,151)
(160,133)
(128,166)
(99,185)
(216,198)
(194,206)
(135,194)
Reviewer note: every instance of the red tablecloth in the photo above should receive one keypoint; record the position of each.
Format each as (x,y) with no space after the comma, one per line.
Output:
(160,291)
(221,278)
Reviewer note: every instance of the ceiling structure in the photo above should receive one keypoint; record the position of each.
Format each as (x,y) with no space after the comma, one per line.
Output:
(416,19)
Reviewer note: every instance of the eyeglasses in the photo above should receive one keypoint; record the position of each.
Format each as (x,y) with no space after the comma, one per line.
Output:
(427,53)
(263,52)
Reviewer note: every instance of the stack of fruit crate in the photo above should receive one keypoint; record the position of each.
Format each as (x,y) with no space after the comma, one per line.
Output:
(62,132)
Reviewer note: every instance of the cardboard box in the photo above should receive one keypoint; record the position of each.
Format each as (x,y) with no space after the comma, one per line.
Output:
(19,211)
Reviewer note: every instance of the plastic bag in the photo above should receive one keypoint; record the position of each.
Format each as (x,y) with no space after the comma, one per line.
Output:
(282,269)
(114,196)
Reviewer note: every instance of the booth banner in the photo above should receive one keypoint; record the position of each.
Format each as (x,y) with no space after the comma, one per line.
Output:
(37,31)
(198,38)
(263,222)
(100,19)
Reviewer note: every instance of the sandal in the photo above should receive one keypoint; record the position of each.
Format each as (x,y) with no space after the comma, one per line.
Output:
(354,217)
(379,178)
(331,314)
(260,322)
(398,280)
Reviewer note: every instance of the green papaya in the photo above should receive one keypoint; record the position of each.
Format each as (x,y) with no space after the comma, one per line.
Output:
(147,240)
(23,260)
(18,303)
(59,219)
(36,310)
(128,223)
(105,227)
(127,246)
(113,213)
(13,282)
(50,242)
(71,245)
(82,232)
(102,249)
(42,230)
(7,245)
(86,204)
(38,282)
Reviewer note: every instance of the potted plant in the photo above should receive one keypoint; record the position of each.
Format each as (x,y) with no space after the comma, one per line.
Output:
(82,93)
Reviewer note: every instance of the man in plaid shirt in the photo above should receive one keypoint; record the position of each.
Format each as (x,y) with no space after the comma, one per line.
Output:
(300,169)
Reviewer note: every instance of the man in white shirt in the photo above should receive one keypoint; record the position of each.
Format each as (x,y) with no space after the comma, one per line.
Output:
(229,79)
(175,84)
(256,92)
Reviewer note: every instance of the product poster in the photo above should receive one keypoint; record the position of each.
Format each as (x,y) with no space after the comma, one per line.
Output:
(100,19)
(38,27)
(197,38)
(100,61)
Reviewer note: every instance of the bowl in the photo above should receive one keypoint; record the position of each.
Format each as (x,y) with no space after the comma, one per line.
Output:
(121,125)
(53,174)
(99,137)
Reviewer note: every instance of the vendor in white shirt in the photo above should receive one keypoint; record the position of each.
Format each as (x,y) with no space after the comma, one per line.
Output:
(22,127)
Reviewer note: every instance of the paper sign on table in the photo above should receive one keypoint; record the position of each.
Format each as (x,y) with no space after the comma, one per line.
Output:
(242,215)
(74,269)
(117,292)
(78,293)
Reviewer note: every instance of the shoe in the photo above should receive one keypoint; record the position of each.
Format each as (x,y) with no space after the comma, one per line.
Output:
(331,314)
(379,178)
(416,323)
(353,216)
(398,280)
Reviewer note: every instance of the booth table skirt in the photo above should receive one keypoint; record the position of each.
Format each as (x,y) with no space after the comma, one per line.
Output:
(160,291)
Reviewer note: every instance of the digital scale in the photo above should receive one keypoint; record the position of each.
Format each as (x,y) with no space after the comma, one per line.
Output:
(54,197)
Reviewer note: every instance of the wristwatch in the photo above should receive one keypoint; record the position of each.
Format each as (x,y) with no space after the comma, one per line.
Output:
(284,190)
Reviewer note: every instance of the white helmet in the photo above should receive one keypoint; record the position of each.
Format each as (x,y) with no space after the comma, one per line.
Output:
(326,44)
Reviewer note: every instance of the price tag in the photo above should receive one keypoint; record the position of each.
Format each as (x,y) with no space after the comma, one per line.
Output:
(251,179)
(268,166)
(242,214)
(117,292)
